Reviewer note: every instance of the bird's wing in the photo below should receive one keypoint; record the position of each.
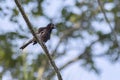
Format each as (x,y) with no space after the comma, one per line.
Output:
(41,29)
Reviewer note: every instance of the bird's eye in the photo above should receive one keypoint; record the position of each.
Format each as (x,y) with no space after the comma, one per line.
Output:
(42,32)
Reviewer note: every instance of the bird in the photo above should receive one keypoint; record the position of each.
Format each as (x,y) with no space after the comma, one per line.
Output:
(43,34)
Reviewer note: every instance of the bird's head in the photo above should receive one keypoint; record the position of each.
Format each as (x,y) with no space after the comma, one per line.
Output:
(51,25)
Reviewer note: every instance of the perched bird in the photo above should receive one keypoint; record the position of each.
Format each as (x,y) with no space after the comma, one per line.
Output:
(43,34)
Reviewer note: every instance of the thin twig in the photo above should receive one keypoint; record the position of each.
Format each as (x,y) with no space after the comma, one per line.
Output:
(40,42)
(113,32)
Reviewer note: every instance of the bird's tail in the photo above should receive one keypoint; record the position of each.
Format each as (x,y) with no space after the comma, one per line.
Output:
(26,44)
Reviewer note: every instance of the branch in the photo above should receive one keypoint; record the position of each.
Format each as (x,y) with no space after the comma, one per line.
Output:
(40,42)
(81,56)
(100,4)
(114,33)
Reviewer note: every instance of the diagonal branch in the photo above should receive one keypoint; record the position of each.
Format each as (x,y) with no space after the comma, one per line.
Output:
(40,42)
(80,57)
(100,4)
(113,32)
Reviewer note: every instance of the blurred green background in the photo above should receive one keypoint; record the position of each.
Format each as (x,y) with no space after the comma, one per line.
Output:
(82,36)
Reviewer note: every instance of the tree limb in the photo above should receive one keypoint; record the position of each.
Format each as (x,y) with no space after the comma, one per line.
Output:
(114,33)
(80,57)
(39,41)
